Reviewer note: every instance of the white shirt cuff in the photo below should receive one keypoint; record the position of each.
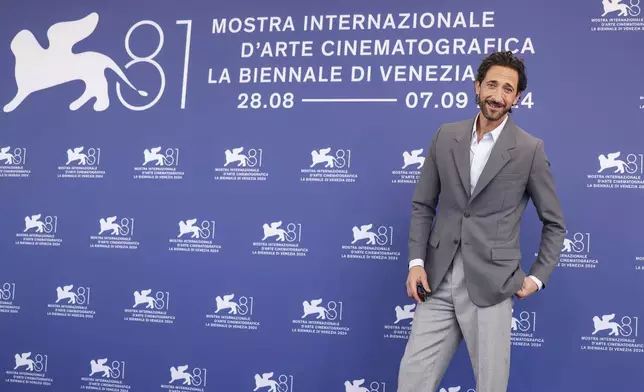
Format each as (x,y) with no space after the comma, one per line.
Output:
(419,262)
(537,281)
(416,262)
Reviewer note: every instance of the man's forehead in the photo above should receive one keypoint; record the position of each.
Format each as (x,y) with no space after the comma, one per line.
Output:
(502,75)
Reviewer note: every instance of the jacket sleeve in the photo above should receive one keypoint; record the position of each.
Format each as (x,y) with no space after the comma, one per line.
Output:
(541,188)
(424,202)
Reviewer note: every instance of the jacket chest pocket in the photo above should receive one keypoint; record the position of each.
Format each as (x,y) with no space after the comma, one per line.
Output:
(509,181)
(507,187)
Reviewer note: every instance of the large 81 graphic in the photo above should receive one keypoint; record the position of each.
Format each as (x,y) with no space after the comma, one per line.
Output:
(150,59)
(38,68)
(246,100)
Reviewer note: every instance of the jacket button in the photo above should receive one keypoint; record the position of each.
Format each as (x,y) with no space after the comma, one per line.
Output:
(455,242)
(467,214)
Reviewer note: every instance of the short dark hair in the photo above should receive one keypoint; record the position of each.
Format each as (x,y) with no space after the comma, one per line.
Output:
(504,59)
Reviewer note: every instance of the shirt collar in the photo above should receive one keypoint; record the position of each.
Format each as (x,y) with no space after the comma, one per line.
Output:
(495,132)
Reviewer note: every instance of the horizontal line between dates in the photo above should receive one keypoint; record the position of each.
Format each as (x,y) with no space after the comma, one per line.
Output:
(349,100)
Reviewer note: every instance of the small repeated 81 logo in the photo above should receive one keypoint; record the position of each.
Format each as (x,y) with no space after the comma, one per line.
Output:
(40,224)
(115,370)
(8,292)
(17,156)
(160,301)
(38,364)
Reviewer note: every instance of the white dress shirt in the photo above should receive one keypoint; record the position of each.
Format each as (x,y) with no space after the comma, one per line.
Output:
(479,154)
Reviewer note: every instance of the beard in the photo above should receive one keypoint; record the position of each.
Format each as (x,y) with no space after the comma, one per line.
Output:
(493,110)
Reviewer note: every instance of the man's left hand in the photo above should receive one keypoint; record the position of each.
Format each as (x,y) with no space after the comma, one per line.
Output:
(528,288)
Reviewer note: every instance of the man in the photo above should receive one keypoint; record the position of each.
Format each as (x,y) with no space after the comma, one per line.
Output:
(483,170)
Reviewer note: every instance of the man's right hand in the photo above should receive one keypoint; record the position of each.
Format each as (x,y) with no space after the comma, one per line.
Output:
(416,275)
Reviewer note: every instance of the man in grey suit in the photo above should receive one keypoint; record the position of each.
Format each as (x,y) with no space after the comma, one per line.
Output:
(465,250)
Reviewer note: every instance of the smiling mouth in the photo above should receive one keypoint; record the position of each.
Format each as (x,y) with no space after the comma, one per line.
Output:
(494,104)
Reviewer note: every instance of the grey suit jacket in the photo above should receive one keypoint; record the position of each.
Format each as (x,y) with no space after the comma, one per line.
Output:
(486,223)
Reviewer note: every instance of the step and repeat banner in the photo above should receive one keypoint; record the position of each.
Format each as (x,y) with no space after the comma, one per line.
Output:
(215,196)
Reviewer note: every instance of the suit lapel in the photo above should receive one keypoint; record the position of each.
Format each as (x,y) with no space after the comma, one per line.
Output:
(461,153)
(499,157)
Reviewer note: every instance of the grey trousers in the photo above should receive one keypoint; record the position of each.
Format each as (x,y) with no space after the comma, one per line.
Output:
(439,326)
